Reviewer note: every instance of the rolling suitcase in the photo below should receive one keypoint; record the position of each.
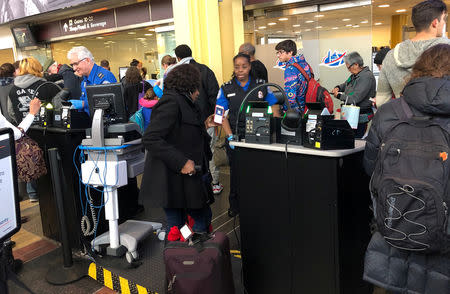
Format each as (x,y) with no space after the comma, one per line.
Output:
(204,267)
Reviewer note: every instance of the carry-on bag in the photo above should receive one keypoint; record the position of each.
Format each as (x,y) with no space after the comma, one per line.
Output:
(202,267)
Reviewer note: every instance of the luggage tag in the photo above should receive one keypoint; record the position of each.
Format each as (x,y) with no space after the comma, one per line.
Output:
(186,232)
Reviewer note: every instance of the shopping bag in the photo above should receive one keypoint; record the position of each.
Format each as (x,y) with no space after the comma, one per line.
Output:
(351,114)
(29,159)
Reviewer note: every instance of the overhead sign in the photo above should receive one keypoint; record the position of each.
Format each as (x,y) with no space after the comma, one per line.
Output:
(334,59)
(88,23)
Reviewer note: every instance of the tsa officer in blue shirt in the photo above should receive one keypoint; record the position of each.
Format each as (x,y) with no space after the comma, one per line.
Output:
(83,64)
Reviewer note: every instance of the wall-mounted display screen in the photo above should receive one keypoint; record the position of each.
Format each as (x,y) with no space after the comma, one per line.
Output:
(23,36)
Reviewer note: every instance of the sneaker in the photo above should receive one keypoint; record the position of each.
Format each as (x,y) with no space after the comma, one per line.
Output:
(217,188)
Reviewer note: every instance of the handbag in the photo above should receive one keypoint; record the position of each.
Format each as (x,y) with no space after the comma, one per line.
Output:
(220,154)
(351,114)
(29,159)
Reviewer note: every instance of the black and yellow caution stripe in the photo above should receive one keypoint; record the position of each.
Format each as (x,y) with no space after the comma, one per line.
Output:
(236,253)
(115,282)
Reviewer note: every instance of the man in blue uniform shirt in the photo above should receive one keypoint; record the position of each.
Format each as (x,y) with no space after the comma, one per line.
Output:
(83,64)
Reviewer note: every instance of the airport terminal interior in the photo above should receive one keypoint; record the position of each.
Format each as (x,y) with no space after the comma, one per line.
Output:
(304,220)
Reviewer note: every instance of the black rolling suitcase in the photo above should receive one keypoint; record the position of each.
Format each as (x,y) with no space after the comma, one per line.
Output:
(201,268)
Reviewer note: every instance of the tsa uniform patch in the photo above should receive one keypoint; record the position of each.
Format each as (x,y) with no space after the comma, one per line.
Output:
(260,95)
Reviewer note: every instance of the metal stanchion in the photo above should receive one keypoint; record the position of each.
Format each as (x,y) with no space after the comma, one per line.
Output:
(70,271)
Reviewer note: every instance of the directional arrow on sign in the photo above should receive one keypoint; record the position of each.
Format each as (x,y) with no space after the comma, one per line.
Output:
(65,26)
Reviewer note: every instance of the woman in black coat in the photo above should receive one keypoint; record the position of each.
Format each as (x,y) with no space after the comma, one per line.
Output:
(133,86)
(176,175)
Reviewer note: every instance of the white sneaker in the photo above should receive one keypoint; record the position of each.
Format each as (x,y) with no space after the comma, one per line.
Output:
(217,188)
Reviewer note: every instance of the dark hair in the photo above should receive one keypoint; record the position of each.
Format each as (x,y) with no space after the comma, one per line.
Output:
(133,75)
(16,64)
(143,72)
(134,62)
(150,94)
(425,12)
(169,60)
(433,62)
(379,57)
(104,63)
(239,55)
(7,70)
(288,46)
(184,78)
(183,51)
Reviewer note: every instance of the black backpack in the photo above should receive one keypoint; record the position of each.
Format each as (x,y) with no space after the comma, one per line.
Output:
(410,184)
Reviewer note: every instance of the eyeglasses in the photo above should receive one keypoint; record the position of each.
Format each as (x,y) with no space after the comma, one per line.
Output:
(348,67)
(279,52)
(77,63)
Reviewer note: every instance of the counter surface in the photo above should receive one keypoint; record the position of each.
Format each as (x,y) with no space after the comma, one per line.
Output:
(359,146)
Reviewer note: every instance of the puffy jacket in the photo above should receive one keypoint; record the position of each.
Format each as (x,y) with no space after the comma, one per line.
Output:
(386,266)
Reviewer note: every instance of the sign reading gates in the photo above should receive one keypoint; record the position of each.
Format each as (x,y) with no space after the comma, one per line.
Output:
(88,23)
(333,60)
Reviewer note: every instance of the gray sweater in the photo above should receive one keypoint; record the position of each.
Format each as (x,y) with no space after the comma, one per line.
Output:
(397,67)
(358,89)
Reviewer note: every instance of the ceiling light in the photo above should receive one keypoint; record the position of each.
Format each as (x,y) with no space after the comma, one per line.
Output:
(283,19)
(346,19)
(148,34)
(348,25)
(307,30)
(378,23)
(309,21)
(142,39)
(319,15)
(279,31)
(272,23)
(99,38)
(297,32)
(355,26)
(255,30)
(71,42)
(383,5)
(262,27)
(319,27)
(131,33)
(400,10)
(335,28)
(365,21)
(296,25)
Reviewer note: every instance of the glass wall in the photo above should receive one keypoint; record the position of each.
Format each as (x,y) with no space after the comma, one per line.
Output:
(120,48)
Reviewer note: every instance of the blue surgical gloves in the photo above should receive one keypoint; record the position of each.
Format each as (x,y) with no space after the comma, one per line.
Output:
(77,104)
(231,138)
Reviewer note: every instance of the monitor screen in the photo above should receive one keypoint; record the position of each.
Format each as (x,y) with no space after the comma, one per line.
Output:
(10,208)
(23,36)
(122,72)
(108,97)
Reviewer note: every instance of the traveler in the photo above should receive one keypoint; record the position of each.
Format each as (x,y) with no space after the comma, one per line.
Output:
(105,64)
(6,83)
(230,97)
(83,64)
(134,89)
(357,90)
(429,18)
(63,76)
(177,142)
(206,102)
(259,70)
(426,95)
(379,57)
(295,84)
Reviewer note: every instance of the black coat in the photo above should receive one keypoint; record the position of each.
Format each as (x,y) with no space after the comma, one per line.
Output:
(209,87)
(175,134)
(131,95)
(386,266)
(259,70)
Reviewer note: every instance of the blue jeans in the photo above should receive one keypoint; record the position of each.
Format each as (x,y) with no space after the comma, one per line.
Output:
(32,190)
(178,217)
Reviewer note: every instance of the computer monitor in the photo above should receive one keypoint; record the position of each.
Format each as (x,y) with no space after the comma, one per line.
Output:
(10,208)
(122,72)
(108,97)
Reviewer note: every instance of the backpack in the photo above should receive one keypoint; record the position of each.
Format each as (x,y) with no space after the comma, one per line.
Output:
(411,181)
(315,92)
(141,94)
(138,118)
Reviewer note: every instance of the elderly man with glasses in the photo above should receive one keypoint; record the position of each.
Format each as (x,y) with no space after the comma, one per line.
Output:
(358,89)
(83,65)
